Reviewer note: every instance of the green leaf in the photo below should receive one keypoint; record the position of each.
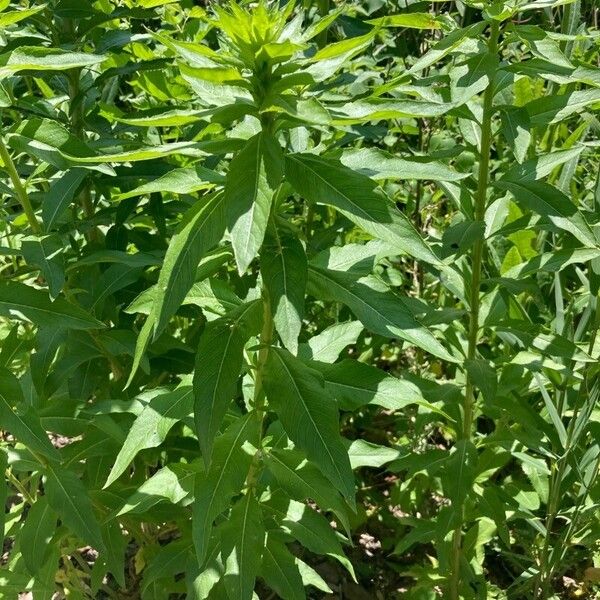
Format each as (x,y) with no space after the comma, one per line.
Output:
(303,481)
(254,174)
(284,270)
(172,483)
(553,205)
(201,581)
(219,360)
(45,253)
(553,109)
(459,238)
(115,278)
(448,44)
(376,306)
(311,577)
(3,492)
(178,181)
(408,20)
(326,181)
(516,130)
(201,228)
(472,76)
(379,109)
(459,472)
(327,346)
(60,194)
(366,454)
(355,384)
(51,142)
(307,526)
(280,571)
(24,425)
(232,456)
(378,164)
(334,56)
(69,498)
(151,427)
(541,166)
(141,344)
(242,542)
(309,416)
(116,545)
(159,118)
(36,306)
(13,584)
(36,533)
(38,58)
(14,16)
(484,376)
(170,560)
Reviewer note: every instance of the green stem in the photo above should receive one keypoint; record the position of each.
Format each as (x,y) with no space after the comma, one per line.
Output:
(476,273)
(20,190)
(19,487)
(265,341)
(77,125)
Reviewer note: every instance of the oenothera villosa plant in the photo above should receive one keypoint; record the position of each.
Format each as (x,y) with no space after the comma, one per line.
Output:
(212,236)
(265,407)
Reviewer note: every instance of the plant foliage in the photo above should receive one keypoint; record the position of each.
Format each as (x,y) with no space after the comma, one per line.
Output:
(299,298)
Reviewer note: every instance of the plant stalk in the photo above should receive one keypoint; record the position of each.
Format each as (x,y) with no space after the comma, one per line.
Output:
(265,341)
(474,300)
(20,190)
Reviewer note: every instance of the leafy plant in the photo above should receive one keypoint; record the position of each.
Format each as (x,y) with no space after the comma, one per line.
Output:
(255,254)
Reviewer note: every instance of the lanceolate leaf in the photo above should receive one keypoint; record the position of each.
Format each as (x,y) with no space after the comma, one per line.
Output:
(36,306)
(201,228)
(379,165)
(69,498)
(152,426)
(38,529)
(45,252)
(355,384)
(232,455)
(309,416)
(178,181)
(253,177)
(170,560)
(551,204)
(60,195)
(14,16)
(38,58)
(141,344)
(303,481)
(219,361)
(327,345)
(242,541)
(411,20)
(307,526)
(472,76)
(552,109)
(326,181)
(172,483)
(376,306)
(25,425)
(515,129)
(284,271)
(280,571)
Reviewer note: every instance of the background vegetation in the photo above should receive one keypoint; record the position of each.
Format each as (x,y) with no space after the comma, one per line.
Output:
(299,298)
